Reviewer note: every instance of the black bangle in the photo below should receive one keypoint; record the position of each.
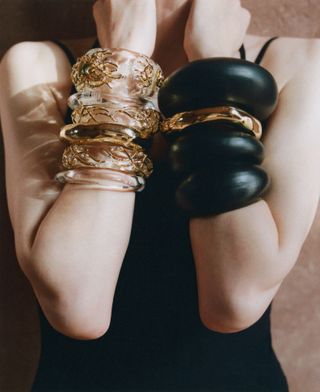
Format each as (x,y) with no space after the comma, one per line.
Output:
(219,82)
(206,145)
(221,189)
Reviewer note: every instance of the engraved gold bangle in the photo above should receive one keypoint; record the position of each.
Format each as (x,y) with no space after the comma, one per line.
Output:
(144,122)
(180,121)
(107,156)
(120,71)
(99,133)
(101,179)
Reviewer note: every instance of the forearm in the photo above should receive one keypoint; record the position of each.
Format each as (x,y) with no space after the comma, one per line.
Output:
(239,265)
(243,256)
(76,258)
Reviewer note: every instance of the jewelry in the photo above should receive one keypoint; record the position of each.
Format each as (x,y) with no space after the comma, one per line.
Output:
(98,133)
(183,120)
(98,97)
(104,179)
(115,104)
(144,122)
(107,156)
(119,71)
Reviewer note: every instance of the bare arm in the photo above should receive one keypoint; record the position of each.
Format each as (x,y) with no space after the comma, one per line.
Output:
(243,256)
(70,242)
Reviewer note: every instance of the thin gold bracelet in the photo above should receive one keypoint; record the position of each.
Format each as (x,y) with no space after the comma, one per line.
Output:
(98,133)
(180,121)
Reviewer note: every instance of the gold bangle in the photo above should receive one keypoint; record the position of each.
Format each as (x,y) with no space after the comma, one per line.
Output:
(112,157)
(144,122)
(180,121)
(122,71)
(99,133)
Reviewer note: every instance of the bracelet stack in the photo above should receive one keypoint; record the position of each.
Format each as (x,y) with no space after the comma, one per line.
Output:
(114,108)
(213,110)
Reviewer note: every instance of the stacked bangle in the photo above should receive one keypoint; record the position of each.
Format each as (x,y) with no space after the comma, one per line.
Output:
(82,133)
(230,114)
(92,178)
(114,106)
(120,72)
(107,156)
(143,121)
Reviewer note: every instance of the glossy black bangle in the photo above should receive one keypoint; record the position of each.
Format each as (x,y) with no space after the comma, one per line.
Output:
(210,145)
(219,82)
(217,190)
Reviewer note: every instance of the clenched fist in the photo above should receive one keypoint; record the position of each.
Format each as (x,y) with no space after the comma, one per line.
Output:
(211,30)
(128,24)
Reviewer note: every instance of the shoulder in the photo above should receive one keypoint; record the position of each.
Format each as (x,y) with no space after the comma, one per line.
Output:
(288,58)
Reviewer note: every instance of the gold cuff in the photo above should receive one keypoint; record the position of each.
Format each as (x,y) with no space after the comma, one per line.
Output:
(144,122)
(119,71)
(180,121)
(107,156)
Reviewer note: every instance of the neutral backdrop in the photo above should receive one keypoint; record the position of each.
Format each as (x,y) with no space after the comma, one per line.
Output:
(296,309)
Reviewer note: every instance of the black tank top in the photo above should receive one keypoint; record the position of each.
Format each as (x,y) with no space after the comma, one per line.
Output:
(156,341)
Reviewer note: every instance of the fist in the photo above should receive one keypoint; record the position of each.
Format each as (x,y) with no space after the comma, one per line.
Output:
(127,24)
(215,28)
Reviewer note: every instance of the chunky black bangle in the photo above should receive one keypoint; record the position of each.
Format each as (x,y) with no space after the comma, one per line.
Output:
(206,145)
(219,82)
(221,189)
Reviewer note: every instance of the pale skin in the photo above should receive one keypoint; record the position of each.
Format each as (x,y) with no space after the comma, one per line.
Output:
(242,256)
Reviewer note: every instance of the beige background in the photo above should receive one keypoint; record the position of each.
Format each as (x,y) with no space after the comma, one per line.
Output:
(296,310)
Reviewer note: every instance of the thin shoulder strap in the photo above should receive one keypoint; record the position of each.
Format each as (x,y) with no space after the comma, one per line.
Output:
(67,51)
(242,52)
(263,50)
(96,44)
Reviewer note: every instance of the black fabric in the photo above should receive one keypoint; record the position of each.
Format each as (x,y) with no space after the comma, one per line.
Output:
(156,341)
(261,53)
(242,52)
(263,50)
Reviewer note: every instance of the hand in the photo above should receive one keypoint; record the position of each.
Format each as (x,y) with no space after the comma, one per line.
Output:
(127,24)
(215,28)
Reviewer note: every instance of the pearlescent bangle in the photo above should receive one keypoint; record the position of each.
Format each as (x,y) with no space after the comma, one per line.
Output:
(104,179)
(120,72)
(180,121)
(106,156)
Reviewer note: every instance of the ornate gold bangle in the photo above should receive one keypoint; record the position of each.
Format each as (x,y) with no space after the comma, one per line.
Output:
(144,122)
(120,71)
(98,133)
(180,121)
(112,157)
